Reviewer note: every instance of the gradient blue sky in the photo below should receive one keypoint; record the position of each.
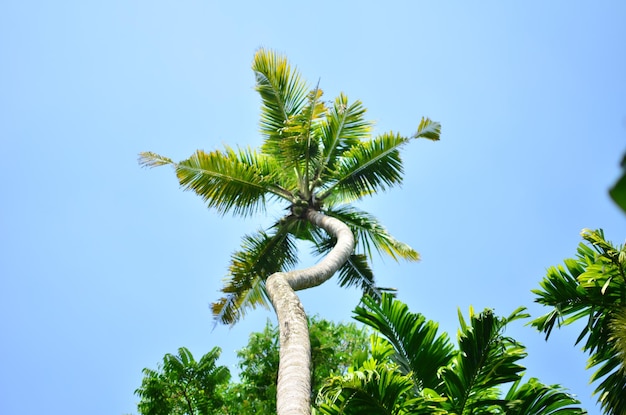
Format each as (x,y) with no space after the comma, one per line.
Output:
(105,267)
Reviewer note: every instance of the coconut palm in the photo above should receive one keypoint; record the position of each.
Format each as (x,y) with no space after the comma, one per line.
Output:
(316,159)
(412,369)
(592,287)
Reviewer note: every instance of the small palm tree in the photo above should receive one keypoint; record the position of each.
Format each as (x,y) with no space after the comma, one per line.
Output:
(412,369)
(592,287)
(316,158)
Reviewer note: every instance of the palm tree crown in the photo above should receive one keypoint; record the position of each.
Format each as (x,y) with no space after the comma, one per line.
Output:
(316,156)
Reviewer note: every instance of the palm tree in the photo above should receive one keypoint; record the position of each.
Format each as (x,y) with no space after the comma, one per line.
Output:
(316,158)
(412,369)
(592,287)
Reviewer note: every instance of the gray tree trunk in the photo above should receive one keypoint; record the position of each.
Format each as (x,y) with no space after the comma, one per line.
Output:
(294,370)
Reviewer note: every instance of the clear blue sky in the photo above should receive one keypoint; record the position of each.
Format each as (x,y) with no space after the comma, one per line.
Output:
(105,267)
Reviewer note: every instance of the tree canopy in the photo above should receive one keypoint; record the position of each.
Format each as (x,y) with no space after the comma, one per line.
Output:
(316,155)
(183,386)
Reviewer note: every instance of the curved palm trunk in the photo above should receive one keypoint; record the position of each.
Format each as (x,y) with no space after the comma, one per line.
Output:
(294,370)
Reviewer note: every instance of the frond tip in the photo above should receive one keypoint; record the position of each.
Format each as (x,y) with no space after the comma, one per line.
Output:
(428,129)
(150,159)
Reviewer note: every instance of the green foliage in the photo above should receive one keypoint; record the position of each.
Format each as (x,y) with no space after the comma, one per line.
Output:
(486,360)
(533,397)
(592,286)
(314,156)
(182,386)
(333,348)
(408,368)
(420,350)
(412,369)
(261,255)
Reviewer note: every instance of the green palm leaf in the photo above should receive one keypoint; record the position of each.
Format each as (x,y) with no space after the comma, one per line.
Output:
(283,92)
(370,233)
(374,388)
(297,146)
(428,129)
(260,256)
(368,167)
(150,159)
(486,360)
(617,328)
(343,128)
(373,165)
(419,349)
(560,289)
(592,287)
(357,272)
(533,398)
(229,181)
(354,272)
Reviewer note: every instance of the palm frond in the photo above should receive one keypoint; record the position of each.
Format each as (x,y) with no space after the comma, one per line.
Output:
(375,388)
(150,159)
(354,272)
(560,289)
(283,92)
(261,255)
(368,167)
(617,327)
(297,146)
(430,130)
(611,390)
(592,287)
(371,233)
(343,128)
(357,272)
(485,361)
(230,181)
(533,397)
(419,349)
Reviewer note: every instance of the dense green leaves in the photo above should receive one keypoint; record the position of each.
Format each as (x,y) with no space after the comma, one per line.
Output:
(419,349)
(533,397)
(414,370)
(370,389)
(315,155)
(183,386)
(408,368)
(592,287)
(333,348)
(487,359)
